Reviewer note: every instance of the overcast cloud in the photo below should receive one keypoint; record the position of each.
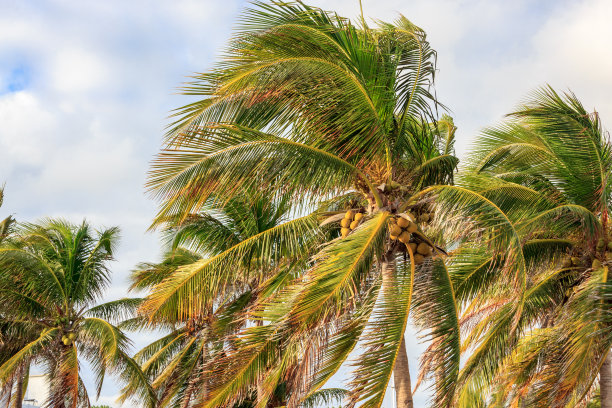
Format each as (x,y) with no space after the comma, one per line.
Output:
(85,87)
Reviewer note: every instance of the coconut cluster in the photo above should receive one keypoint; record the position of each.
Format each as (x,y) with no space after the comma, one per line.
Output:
(401,229)
(68,338)
(350,221)
(575,261)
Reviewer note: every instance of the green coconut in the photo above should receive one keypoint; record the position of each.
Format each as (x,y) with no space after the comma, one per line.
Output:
(601,244)
(596,264)
(424,217)
(575,261)
(567,262)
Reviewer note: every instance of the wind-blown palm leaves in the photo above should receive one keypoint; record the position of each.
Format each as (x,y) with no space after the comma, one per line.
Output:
(335,117)
(179,364)
(53,273)
(554,149)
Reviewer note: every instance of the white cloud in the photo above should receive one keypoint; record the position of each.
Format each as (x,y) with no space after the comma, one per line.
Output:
(77,140)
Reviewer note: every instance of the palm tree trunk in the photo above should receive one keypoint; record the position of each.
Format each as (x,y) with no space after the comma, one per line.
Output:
(605,382)
(401,379)
(401,370)
(18,397)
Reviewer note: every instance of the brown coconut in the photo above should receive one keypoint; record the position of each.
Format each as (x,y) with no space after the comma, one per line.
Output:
(395,230)
(424,249)
(402,222)
(404,237)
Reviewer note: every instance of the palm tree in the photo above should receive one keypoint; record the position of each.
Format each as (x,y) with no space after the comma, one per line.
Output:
(6,224)
(341,119)
(555,156)
(12,338)
(177,363)
(53,273)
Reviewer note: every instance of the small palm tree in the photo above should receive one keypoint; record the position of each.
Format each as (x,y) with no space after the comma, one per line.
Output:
(53,273)
(553,157)
(178,363)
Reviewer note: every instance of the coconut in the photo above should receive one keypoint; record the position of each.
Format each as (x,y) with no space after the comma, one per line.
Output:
(610,245)
(596,264)
(404,237)
(345,232)
(354,224)
(413,247)
(393,237)
(349,215)
(345,223)
(64,337)
(575,261)
(410,216)
(419,259)
(424,249)
(66,341)
(567,262)
(412,228)
(358,216)
(424,217)
(71,336)
(402,222)
(601,244)
(395,230)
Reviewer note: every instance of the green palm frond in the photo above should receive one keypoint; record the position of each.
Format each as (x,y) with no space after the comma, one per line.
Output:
(29,351)
(383,337)
(437,313)
(339,269)
(210,276)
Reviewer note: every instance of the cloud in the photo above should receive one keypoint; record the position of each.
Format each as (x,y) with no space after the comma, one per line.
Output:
(85,88)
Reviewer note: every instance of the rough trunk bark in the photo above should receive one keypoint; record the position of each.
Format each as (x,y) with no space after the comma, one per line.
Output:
(605,382)
(18,397)
(401,379)
(401,370)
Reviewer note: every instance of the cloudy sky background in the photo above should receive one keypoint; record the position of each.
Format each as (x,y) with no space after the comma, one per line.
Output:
(86,86)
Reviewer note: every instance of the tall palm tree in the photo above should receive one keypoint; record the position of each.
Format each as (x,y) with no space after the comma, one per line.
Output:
(554,155)
(53,274)
(341,119)
(11,338)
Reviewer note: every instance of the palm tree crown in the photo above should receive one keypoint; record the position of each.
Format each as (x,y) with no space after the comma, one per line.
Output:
(336,117)
(55,273)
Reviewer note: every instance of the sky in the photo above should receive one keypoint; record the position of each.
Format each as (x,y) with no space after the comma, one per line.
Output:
(86,88)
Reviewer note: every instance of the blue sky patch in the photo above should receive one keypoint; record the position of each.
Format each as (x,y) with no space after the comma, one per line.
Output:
(16,79)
